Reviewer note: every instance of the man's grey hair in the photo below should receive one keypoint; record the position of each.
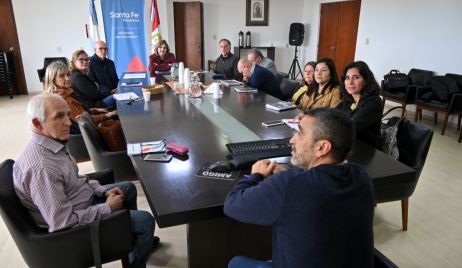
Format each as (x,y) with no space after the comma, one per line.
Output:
(255,52)
(336,127)
(36,107)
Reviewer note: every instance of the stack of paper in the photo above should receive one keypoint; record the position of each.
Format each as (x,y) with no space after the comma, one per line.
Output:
(126,96)
(146,147)
(280,106)
(244,89)
(230,83)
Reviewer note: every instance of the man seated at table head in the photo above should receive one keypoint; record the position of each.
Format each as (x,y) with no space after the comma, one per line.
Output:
(227,61)
(321,213)
(47,182)
(254,55)
(260,78)
(102,70)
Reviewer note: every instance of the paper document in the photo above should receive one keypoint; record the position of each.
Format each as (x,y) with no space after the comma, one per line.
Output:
(146,147)
(126,96)
(133,84)
(134,75)
(292,123)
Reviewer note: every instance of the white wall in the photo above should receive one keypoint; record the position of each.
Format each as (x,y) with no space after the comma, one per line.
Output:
(224,19)
(51,28)
(410,34)
(402,34)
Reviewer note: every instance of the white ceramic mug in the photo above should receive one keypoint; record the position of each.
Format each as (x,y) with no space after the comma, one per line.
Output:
(153,80)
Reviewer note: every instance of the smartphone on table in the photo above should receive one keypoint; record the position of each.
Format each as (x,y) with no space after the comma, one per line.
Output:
(158,157)
(272,123)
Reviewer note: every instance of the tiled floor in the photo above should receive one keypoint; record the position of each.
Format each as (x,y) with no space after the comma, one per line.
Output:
(434,238)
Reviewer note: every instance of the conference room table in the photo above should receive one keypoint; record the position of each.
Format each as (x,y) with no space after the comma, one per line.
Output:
(205,125)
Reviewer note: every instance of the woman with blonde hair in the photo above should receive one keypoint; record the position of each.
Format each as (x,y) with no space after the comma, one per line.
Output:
(161,59)
(90,93)
(58,80)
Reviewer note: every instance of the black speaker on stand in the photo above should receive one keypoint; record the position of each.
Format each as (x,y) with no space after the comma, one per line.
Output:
(296,34)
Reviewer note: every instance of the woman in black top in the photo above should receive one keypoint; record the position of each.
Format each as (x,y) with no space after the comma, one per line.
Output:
(360,94)
(88,91)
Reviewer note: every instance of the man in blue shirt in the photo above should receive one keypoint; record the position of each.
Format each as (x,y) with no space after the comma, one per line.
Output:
(321,214)
(260,78)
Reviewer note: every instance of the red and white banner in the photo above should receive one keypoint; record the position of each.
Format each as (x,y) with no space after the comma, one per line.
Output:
(155,29)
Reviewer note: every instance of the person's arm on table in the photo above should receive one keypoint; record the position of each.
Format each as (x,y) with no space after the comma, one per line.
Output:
(256,201)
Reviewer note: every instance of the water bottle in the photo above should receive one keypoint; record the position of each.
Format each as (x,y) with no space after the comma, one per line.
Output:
(241,39)
(247,39)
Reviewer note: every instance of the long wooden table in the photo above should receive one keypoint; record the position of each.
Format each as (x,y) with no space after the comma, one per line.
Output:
(176,196)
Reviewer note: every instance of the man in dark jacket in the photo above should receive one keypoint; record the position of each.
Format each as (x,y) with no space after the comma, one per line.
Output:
(102,69)
(260,78)
(227,61)
(321,214)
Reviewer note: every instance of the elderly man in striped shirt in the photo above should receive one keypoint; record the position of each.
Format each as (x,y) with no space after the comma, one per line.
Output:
(47,182)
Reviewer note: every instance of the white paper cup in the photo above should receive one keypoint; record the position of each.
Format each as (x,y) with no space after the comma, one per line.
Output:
(216,91)
(153,80)
(178,85)
(147,96)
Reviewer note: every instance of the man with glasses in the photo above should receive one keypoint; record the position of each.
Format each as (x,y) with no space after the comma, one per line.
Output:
(254,55)
(321,213)
(102,69)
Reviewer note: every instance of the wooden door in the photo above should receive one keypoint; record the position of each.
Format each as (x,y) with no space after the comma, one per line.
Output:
(9,42)
(338,31)
(189,34)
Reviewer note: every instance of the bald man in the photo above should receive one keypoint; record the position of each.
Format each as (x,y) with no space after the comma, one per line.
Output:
(259,77)
(102,69)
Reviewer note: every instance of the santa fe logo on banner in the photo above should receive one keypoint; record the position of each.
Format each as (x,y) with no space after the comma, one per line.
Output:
(124,27)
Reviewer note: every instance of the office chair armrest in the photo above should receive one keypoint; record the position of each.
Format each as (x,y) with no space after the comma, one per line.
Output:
(114,154)
(421,90)
(455,104)
(104,176)
(381,261)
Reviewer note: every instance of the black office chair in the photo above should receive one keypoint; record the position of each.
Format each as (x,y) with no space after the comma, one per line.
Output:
(66,248)
(281,75)
(101,157)
(46,62)
(288,87)
(413,144)
(381,261)
(77,148)
(444,95)
(405,96)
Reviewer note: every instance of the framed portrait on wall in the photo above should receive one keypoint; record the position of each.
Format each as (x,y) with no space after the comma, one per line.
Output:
(256,12)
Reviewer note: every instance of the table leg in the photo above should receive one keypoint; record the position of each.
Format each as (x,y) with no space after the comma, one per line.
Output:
(212,243)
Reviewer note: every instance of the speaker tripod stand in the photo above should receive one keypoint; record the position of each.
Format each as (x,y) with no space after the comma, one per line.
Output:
(293,73)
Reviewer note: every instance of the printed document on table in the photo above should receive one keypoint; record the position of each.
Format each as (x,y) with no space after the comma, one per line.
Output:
(134,76)
(125,96)
(146,147)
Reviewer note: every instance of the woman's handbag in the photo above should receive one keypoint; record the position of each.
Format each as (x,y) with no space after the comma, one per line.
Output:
(111,131)
(395,80)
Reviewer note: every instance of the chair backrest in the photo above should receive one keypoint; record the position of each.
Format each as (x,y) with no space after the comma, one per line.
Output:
(93,140)
(413,144)
(16,217)
(39,248)
(288,87)
(46,62)
(77,148)
(457,78)
(419,77)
